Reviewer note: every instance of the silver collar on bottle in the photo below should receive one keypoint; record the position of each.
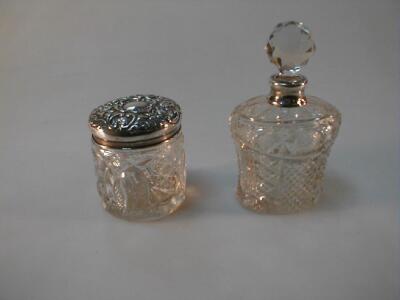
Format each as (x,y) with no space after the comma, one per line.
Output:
(288,90)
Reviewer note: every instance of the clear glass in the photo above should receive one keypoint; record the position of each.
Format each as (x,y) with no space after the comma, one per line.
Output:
(282,152)
(141,184)
(290,46)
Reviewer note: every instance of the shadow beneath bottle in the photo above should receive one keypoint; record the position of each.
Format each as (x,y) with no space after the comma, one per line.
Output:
(337,193)
(213,190)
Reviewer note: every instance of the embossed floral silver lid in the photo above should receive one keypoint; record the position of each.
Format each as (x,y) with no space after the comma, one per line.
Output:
(135,121)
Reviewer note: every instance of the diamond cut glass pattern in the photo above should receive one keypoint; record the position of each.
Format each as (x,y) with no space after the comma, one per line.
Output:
(282,152)
(144,183)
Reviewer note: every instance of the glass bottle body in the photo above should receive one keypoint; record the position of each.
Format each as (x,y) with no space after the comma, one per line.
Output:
(282,152)
(141,184)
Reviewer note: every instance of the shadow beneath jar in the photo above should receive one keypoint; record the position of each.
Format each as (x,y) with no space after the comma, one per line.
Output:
(211,190)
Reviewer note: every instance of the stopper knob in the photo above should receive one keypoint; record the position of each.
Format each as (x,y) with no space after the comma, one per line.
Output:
(290,46)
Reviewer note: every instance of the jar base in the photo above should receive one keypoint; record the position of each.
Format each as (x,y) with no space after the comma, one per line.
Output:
(274,207)
(148,215)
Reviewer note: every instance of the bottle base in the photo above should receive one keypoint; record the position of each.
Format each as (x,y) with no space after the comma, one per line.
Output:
(268,205)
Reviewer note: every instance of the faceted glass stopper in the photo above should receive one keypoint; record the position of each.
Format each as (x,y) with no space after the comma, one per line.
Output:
(290,46)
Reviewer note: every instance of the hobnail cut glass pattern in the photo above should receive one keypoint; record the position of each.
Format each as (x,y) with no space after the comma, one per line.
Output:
(144,183)
(282,152)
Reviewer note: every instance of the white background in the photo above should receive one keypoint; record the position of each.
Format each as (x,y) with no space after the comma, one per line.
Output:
(60,59)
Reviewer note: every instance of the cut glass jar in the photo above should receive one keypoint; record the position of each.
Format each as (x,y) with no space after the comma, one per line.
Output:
(137,145)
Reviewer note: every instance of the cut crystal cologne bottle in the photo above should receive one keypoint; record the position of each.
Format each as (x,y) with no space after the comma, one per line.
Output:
(283,139)
(137,145)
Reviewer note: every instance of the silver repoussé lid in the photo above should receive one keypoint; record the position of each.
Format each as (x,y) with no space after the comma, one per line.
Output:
(135,121)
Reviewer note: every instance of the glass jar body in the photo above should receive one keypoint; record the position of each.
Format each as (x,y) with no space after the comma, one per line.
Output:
(141,184)
(282,153)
